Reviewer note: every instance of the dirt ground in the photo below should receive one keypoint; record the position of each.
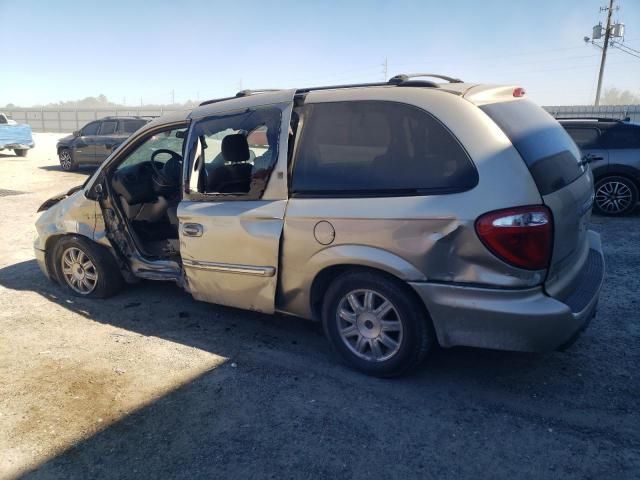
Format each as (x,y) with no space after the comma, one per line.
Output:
(153,384)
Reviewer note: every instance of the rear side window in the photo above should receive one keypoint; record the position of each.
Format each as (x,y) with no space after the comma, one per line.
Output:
(130,126)
(377,148)
(553,158)
(584,137)
(108,127)
(622,136)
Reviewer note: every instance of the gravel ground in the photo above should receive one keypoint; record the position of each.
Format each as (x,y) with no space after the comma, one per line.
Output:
(152,383)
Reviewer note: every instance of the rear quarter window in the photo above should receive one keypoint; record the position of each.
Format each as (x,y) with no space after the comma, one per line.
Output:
(130,126)
(551,155)
(622,137)
(373,148)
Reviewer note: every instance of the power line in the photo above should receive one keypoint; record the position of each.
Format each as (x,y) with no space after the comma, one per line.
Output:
(625,51)
(622,45)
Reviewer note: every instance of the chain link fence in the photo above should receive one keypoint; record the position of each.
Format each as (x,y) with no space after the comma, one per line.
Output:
(65,120)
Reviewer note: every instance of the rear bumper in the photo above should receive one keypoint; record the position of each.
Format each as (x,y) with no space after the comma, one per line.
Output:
(17,146)
(521,320)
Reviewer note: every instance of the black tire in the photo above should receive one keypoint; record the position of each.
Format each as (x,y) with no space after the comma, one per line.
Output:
(417,337)
(605,203)
(109,278)
(67,161)
(20,152)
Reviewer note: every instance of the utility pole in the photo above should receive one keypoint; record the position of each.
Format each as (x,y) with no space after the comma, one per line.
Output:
(173,96)
(607,34)
(385,69)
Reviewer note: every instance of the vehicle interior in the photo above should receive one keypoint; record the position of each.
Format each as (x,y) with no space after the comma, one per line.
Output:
(147,190)
(147,183)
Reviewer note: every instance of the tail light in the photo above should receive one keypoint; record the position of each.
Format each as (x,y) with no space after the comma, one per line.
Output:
(518,92)
(520,236)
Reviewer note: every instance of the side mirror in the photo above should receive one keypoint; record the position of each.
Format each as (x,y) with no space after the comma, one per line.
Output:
(95,193)
(76,133)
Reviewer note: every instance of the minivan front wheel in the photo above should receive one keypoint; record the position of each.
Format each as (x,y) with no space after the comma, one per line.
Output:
(86,268)
(375,325)
(615,196)
(66,160)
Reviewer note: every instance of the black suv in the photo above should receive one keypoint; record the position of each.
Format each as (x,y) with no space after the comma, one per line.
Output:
(96,140)
(613,148)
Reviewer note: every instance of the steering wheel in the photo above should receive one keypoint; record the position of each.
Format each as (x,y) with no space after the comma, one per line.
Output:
(161,178)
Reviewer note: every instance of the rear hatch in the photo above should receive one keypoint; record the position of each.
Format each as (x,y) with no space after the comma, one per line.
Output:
(564,183)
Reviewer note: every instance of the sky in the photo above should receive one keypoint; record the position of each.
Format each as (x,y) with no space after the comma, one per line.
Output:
(133,50)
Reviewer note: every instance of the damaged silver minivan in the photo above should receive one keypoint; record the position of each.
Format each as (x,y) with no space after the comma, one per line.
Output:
(399,214)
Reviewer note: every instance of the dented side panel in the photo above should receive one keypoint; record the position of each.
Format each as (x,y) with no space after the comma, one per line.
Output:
(427,238)
(75,214)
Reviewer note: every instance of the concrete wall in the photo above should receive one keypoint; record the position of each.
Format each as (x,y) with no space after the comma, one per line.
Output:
(66,121)
(52,120)
(608,111)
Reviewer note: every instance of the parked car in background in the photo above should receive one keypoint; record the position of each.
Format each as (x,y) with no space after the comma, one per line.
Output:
(399,214)
(4,120)
(613,148)
(94,142)
(15,136)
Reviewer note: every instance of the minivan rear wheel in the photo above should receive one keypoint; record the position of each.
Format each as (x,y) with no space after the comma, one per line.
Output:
(375,325)
(615,196)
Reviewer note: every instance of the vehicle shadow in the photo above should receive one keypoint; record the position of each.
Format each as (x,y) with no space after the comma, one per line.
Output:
(288,408)
(164,310)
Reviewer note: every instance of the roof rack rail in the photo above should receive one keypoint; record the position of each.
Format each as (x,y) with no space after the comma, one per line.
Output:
(348,85)
(246,93)
(215,100)
(241,93)
(398,80)
(404,77)
(599,119)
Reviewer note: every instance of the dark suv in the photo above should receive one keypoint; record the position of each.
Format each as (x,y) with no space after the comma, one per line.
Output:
(92,144)
(613,148)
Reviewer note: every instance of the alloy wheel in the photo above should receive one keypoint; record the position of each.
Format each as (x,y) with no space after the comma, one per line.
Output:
(79,271)
(369,325)
(613,197)
(65,160)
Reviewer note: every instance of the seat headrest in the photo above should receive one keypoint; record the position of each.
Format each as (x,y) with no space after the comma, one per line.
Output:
(235,148)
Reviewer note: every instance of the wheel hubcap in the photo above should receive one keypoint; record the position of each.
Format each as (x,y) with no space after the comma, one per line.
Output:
(65,160)
(369,325)
(613,197)
(79,271)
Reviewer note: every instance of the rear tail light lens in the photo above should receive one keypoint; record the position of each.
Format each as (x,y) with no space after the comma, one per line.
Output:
(521,236)
(519,92)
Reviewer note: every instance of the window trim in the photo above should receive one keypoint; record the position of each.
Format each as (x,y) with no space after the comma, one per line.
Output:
(115,131)
(306,113)
(99,122)
(190,147)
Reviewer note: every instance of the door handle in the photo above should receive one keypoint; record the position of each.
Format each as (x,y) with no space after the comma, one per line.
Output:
(192,230)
